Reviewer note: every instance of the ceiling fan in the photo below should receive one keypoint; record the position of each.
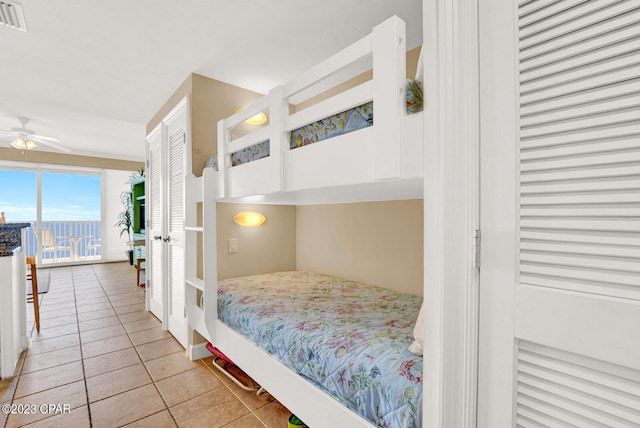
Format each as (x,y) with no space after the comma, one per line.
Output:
(25,139)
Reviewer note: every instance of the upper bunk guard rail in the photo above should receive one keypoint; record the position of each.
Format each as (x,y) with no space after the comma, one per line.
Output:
(348,99)
(271,171)
(381,150)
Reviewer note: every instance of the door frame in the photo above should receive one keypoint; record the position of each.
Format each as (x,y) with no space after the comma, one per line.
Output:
(499,107)
(451,211)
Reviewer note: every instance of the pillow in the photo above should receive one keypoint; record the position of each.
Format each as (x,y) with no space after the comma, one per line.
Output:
(418,334)
(212,162)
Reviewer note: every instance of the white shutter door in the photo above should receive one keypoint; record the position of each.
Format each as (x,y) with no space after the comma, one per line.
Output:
(176,181)
(573,313)
(578,303)
(154,203)
(580,147)
(176,177)
(558,388)
(176,290)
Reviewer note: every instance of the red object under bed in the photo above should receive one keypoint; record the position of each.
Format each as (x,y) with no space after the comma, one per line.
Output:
(218,353)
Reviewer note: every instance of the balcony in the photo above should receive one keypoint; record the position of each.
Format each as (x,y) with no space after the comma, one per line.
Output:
(64,242)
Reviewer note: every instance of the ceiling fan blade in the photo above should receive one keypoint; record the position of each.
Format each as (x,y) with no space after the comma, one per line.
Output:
(7,133)
(41,140)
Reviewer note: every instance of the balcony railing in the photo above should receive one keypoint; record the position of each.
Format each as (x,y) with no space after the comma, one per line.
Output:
(65,241)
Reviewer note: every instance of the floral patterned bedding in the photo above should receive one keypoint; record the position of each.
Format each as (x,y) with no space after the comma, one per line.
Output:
(248,154)
(348,338)
(342,123)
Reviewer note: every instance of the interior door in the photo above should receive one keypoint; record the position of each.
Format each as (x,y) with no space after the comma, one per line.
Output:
(560,214)
(175,245)
(155,225)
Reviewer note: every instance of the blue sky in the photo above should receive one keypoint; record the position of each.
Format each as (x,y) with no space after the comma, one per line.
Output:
(64,196)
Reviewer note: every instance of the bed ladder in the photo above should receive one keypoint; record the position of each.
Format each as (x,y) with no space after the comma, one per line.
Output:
(200,250)
(201,287)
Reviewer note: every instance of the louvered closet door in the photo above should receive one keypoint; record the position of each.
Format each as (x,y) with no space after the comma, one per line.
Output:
(176,130)
(155,232)
(576,308)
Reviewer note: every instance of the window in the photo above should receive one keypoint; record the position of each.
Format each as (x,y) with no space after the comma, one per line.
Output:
(64,209)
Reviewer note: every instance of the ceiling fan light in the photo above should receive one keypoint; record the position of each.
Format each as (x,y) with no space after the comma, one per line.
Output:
(19,143)
(22,144)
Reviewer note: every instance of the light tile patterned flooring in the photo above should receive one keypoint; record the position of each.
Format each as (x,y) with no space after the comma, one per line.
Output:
(102,354)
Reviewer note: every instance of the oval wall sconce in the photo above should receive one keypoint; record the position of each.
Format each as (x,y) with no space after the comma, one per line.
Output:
(257,119)
(249,218)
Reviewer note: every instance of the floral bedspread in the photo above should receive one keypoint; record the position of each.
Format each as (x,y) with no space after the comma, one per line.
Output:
(250,154)
(349,338)
(338,124)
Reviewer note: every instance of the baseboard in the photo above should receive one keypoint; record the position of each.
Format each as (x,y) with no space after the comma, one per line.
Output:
(196,352)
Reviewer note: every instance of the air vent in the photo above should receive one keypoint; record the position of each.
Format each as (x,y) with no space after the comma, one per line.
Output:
(11,15)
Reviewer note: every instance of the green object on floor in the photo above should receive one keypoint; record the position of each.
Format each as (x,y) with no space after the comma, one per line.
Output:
(294,422)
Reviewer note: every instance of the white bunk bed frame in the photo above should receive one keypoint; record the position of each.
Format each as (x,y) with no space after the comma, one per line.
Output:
(380,162)
(390,169)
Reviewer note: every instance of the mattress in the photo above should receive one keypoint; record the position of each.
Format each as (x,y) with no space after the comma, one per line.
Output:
(348,338)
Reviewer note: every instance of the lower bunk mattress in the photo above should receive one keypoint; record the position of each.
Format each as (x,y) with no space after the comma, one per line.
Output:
(348,338)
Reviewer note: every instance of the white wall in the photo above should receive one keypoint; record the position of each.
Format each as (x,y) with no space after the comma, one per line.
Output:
(113,246)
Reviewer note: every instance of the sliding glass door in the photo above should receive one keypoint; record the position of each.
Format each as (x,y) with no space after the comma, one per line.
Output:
(70,217)
(64,209)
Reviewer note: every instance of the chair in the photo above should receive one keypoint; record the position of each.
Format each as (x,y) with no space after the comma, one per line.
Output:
(53,245)
(94,246)
(33,277)
(138,268)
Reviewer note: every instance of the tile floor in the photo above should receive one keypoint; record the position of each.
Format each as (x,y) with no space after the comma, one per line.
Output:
(101,354)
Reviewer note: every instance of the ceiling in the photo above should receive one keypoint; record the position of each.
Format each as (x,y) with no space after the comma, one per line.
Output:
(93,73)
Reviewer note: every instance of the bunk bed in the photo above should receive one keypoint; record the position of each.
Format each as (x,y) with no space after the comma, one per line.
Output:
(281,164)
(383,160)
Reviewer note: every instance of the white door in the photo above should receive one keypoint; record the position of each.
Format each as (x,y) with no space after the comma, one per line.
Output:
(177,134)
(560,214)
(155,224)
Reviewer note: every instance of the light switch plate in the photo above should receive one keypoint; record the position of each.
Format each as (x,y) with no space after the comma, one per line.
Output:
(233,245)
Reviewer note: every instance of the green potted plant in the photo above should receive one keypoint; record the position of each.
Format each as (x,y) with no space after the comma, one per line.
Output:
(136,174)
(125,217)
(125,220)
